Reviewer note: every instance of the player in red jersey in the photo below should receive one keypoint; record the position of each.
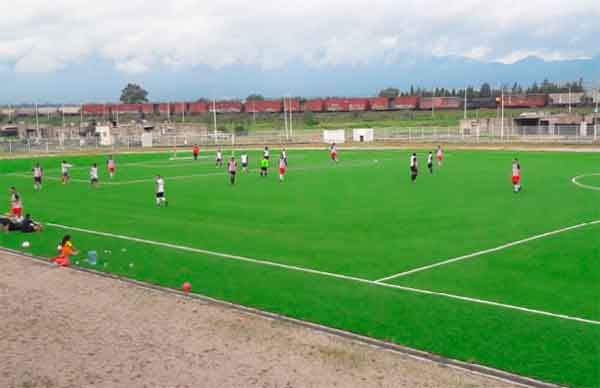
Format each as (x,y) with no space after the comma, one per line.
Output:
(516,175)
(111,166)
(195,151)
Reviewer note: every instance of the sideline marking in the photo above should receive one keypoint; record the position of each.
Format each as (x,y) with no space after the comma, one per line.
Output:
(486,251)
(327,274)
(576,179)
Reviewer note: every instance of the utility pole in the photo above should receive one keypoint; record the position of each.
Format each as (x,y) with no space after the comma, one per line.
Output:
(465,114)
(569,99)
(285,118)
(37,121)
(291,117)
(215,117)
(502,119)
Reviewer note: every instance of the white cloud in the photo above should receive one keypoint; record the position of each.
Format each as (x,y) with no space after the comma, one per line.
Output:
(139,35)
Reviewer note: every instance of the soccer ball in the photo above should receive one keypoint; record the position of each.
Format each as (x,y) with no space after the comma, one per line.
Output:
(25,244)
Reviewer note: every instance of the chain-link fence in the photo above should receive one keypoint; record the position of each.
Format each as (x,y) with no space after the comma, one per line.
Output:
(557,134)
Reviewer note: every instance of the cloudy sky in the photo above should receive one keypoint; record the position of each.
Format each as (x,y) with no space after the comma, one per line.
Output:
(140,36)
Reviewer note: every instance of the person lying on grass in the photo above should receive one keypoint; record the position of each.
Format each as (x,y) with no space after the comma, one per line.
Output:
(11,223)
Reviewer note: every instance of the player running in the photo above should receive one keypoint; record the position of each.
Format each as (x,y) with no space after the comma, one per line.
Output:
(160,191)
(264,166)
(414,168)
(64,170)
(282,167)
(266,153)
(195,151)
(38,173)
(94,175)
(111,166)
(244,160)
(430,162)
(232,168)
(440,155)
(333,152)
(219,158)
(516,175)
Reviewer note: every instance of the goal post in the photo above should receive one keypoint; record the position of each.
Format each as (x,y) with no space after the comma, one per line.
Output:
(334,136)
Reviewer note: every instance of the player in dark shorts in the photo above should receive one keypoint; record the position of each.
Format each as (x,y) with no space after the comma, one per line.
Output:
(232,168)
(414,168)
(430,162)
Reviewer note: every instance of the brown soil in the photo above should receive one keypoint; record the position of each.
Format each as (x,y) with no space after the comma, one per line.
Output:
(66,328)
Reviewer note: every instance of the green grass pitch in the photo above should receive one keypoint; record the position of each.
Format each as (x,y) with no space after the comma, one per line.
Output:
(364,220)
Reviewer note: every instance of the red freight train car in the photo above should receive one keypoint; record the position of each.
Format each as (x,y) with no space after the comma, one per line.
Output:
(94,109)
(405,102)
(426,103)
(164,108)
(315,105)
(379,103)
(147,108)
(346,104)
(226,107)
(265,106)
(198,107)
(178,107)
(528,101)
(293,105)
(125,108)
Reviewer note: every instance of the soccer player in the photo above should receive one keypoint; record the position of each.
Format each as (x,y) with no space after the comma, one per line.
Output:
(333,152)
(16,206)
(232,168)
(13,193)
(266,153)
(430,162)
(111,165)
(516,175)
(64,170)
(264,166)
(94,175)
(219,158)
(284,154)
(160,191)
(414,168)
(282,167)
(244,160)
(440,155)
(38,173)
(195,151)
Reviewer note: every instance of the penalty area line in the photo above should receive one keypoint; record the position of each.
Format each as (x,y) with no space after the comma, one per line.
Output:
(487,251)
(327,274)
(576,182)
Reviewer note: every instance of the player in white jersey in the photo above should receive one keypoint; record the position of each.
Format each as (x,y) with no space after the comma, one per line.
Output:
(516,175)
(160,191)
(266,153)
(94,175)
(244,160)
(111,165)
(414,168)
(282,167)
(64,170)
(333,152)
(284,155)
(440,155)
(232,169)
(38,174)
(219,158)
(430,162)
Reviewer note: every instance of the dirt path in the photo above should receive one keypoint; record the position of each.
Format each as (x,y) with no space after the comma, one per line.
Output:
(65,328)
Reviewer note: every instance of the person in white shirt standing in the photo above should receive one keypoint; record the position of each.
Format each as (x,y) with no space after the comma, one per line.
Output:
(232,169)
(160,191)
(266,153)
(244,160)
(64,170)
(430,162)
(284,154)
(414,168)
(516,175)
(219,158)
(94,175)
(282,167)
(38,173)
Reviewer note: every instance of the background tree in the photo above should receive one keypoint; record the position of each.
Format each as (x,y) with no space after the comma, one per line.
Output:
(389,93)
(133,94)
(255,97)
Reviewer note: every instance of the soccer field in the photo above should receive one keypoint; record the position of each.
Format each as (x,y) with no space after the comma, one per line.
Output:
(455,264)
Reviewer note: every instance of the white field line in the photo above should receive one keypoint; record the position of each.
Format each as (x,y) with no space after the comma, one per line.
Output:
(577,183)
(327,274)
(487,251)
(221,172)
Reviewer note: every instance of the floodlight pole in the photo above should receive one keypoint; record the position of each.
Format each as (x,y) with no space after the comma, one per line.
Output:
(291,117)
(569,99)
(596,116)
(465,114)
(37,120)
(502,117)
(285,118)
(215,118)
